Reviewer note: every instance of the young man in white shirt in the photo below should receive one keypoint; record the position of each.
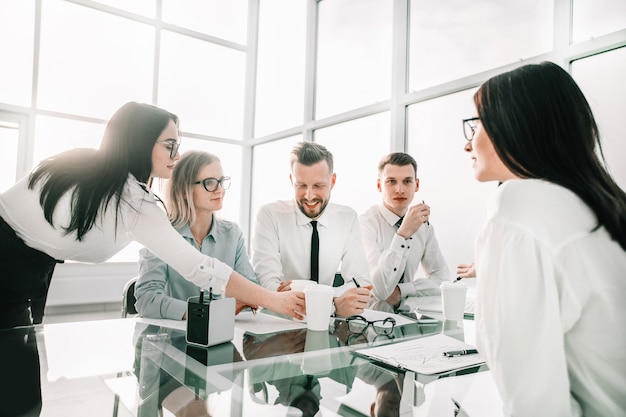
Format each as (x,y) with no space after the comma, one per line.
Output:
(398,236)
(282,241)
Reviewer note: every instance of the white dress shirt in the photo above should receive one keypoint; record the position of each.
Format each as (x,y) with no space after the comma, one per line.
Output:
(390,256)
(281,247)
(550,310)
(141,220)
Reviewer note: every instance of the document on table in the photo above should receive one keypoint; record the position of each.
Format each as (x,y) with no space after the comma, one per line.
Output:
(263,323)
(424,355)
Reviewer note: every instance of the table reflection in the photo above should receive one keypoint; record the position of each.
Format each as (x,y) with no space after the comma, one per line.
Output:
(152,371)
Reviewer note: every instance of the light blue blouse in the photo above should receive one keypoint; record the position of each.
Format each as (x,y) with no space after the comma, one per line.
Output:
(162,292)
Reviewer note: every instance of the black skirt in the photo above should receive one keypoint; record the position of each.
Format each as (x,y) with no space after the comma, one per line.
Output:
(25,275)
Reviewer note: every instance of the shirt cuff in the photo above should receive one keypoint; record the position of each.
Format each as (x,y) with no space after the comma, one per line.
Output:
(176,310)
(407,289)
(215,274)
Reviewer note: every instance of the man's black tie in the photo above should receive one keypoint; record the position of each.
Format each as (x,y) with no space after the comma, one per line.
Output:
(399,222)
(315,253)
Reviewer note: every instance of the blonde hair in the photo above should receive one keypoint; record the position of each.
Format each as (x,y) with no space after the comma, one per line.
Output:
(179,188)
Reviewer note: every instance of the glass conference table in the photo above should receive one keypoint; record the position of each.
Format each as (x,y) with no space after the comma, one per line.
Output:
(272,367)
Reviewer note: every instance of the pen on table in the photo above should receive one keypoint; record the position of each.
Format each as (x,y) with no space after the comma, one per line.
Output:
(427,222)
(355,283)
(460,352)
(201,301)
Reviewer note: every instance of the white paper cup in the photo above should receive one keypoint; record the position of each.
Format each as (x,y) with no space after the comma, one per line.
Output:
(300,285)
(453,300)
(319,302)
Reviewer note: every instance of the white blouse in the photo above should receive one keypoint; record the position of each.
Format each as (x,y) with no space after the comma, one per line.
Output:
(550,309)
(140,220)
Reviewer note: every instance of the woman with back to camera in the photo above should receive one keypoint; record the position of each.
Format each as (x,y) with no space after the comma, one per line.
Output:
(86,205)
(194,195)
(550,311)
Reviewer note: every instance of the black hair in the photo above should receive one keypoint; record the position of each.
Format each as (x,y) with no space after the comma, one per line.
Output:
(542,126)
(95,177)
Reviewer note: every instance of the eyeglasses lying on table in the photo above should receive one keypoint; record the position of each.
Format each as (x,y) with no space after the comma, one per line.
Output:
(358,324)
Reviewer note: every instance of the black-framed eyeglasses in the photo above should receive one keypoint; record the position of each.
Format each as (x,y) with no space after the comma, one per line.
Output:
(358,324)
(171,145)
(211,184)
(469,128)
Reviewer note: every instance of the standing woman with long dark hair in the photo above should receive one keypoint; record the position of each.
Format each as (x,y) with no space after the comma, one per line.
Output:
(551,258)
(86,205)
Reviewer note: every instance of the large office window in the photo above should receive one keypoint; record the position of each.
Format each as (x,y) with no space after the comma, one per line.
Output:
(9,141)
(602,79)
(450,40)
(357,146)
(354,54)
(593,18)
(73,64)
(249,78)
(222,19)
(94,73)
(203,83)
(17,33)
(280,66)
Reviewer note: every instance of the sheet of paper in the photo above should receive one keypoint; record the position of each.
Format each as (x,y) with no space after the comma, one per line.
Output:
(262,323)
(424,355)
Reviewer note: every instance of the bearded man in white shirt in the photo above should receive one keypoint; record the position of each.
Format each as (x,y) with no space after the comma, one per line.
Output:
(282,242)
(398,236)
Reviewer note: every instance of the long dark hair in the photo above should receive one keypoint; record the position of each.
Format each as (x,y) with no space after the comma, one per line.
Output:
(95,177)
(542,126)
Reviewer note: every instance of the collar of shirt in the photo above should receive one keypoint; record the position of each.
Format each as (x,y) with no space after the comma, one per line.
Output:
(215,233)
(302,220)
(389,216)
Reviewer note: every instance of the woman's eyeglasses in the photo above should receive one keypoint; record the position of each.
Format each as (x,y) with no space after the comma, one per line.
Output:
(171,145)
(358,325)
(211,184)
(469,128)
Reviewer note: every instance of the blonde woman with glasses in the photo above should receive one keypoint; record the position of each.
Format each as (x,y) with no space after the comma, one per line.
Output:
(194,195)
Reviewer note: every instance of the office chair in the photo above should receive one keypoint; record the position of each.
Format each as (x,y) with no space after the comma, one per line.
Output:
(128,298)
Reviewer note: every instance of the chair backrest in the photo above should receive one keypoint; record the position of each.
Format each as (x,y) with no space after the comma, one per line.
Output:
(128,298)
